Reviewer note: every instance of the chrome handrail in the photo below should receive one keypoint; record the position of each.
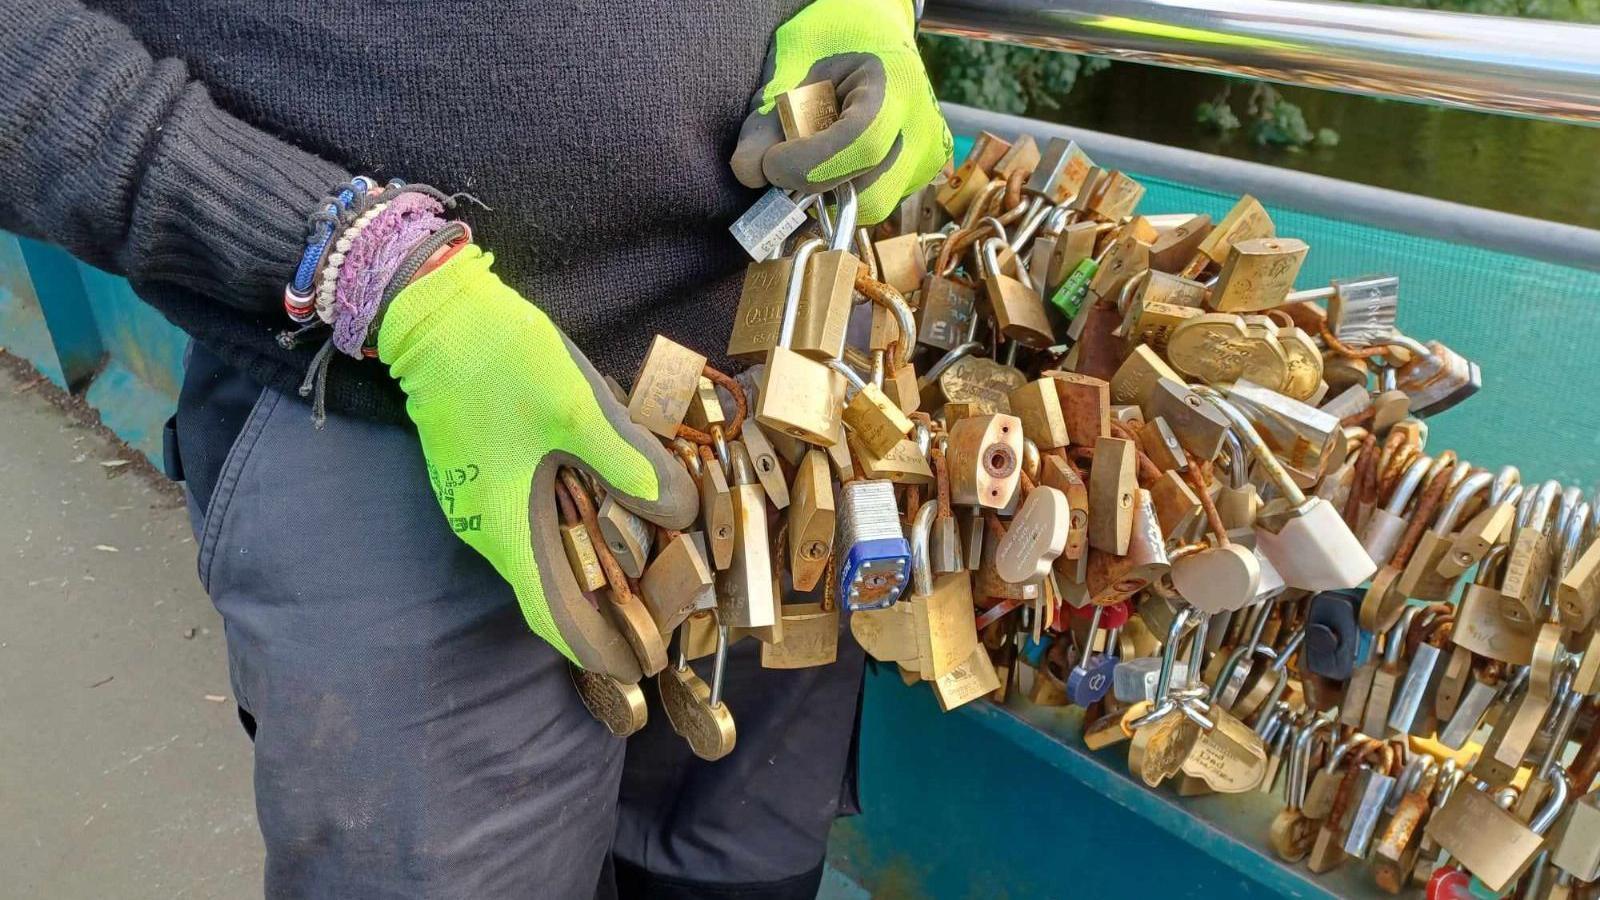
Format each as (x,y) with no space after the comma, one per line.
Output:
(1524,67)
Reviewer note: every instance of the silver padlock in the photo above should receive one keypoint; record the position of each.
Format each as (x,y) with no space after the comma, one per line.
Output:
(875,562)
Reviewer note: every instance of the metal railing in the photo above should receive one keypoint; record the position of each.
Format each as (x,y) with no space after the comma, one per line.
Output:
(1540,69)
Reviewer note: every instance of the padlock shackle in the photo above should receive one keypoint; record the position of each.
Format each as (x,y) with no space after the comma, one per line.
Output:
(1125,296)
(1551,810)
(918,537)
(1037,214)
(719,664)
(1473,485)
(1572,540)
(1395,638)
(791,297)
(1258,448)
(843,234)
(1565,718)
(1541,511)
(857,383)
(1508,478)
(1569,501)
(1401,496)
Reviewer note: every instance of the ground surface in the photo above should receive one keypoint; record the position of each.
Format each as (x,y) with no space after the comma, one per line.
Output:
(123,770)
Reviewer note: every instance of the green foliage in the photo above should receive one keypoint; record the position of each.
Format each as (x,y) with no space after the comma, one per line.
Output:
(1560,10)
(1272,121)
(1002,77)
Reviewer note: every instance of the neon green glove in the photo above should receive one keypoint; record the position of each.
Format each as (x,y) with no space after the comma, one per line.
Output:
(890,139)
(501,399)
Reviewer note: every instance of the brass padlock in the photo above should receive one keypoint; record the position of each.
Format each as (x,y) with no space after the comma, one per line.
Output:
(1175,246)
(799,396)
(1528,566)
(665,386)
(1086,405)
(1062,170)
(985,456)
(1258,274)
(678,582)
(1136,379)
(1246,220)
(1113,490)
(807,109)
(1018,311)
(948,312)
(872,419)
(811,521)
(745,597)
(1038,405)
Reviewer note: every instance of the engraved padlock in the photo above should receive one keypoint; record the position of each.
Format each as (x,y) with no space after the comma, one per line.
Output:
(1018,311)
(799,396)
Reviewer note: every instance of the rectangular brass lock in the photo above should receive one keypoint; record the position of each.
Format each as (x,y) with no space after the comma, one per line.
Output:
(1136,379)
(665,386)
(1258,274)
(1023,156)
(1038,405)
(811,521)
(1153,323)
(1159,287)
(1175,246)
(808,109)
(1086,404)
(901,262)
(1061,171)
(988,149)
(1112,492)
(1246,220)
(1116,197)
(962,187)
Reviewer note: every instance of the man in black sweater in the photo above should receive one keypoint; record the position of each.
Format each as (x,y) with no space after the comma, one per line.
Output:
(412,737)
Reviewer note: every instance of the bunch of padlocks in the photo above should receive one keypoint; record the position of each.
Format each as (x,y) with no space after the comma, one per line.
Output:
(1036,443)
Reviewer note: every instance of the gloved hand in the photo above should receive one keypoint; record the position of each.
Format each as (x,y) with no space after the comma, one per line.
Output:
(890,139)
(501,399)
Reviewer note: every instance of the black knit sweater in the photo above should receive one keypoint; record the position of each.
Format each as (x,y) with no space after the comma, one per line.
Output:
(183,143)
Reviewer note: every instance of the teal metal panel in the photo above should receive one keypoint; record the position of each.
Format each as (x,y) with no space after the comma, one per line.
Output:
(988,802)
(87,331)
(22,326)
(133,333)
(73,332)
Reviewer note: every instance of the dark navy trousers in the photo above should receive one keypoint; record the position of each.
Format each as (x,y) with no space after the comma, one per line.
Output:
(414,739)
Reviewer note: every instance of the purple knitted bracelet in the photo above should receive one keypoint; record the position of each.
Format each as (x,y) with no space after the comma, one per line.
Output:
(372,260)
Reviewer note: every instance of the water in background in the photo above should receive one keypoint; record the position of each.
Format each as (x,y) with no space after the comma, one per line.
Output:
(1532,168)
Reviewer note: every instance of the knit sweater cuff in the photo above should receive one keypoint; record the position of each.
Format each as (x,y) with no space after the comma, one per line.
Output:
(223,207)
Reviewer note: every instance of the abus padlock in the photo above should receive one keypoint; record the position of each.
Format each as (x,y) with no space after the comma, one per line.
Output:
(1309,543)
(799,396)
(875,558)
